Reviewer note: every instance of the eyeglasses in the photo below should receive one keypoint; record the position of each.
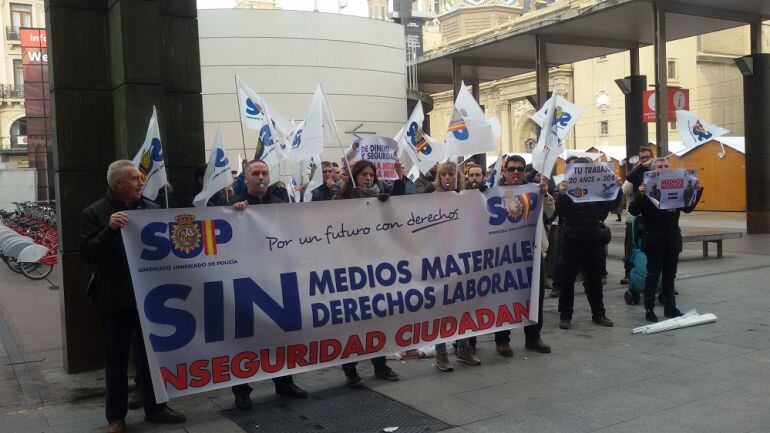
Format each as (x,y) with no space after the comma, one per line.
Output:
(512,169)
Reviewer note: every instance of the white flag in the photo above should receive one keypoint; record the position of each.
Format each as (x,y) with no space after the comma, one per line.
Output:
(695,131)
(256,113)
(567,114)
(469,132)
(149,160)
(217,174)
(319,130)
(493,178)
(313,166)
(549,145)
(421,148)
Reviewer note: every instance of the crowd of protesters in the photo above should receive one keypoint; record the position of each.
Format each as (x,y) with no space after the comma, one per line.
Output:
(574,246)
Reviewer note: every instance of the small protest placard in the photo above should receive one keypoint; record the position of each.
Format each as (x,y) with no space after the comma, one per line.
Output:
(382,151)
(593,181)
(670,189)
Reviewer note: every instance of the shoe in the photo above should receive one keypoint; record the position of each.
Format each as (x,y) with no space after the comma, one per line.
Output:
(137,399)
(554,293)
(165,416)
(671,312)
(387,374)
(624,281)
(538,346)
(505,350)
(118,426)
(603,320)
(442,362)
(291,390)
(243,400)
(565,323)
(465,354)
(354,380)
(649,315)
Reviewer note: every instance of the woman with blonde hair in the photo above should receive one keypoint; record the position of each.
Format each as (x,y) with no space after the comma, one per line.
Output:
(446,179)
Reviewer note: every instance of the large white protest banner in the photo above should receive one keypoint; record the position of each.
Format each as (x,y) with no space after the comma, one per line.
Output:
(670,189)
(594,181)
(381,151)
(227,297)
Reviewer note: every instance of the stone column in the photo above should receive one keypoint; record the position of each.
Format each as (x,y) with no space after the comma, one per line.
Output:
(110,61)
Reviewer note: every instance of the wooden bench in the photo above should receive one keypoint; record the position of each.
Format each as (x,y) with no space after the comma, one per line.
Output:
(707,236)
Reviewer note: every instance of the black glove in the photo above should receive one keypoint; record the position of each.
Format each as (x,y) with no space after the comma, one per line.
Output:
(383,196)
(483,187)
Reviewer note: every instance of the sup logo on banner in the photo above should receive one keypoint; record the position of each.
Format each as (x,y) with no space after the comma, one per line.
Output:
(511,207)
(186,237)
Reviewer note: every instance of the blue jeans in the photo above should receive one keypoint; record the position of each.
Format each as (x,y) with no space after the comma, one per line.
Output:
(461,343)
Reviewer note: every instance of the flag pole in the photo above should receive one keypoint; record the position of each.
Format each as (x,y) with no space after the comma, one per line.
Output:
(240,118)
(165,190)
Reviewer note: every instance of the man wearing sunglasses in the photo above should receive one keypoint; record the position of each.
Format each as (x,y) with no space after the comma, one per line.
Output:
(514,174)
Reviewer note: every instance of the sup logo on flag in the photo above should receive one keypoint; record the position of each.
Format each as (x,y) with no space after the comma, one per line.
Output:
(699,131)
(264,143)
(417,139)
(253,109)
(457,125)
(187,237)
(561,117)
(221,159)
(149,158)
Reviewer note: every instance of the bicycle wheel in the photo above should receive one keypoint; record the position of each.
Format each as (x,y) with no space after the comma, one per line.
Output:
(36,271)
(13,264)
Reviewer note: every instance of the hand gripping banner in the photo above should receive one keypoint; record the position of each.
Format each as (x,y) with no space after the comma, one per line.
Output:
(228,297)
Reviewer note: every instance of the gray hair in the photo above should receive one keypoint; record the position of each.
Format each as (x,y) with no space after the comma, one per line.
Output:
(114,171)
(660,159)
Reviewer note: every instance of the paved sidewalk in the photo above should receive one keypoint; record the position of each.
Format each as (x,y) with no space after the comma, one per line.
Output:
(711,378)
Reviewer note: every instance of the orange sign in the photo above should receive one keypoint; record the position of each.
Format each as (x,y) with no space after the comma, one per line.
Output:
(34,38)
(678,99)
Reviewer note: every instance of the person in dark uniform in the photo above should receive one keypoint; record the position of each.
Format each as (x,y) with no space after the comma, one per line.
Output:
(583,245)
(101,246)
(257,179)
(514,174)
(634,178)
(662,243)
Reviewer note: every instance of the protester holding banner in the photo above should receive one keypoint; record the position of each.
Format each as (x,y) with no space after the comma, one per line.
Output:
(364,173)
(102,248)
(329,188)
(476,176)
(634,178)
(514,173)
(662,244)
(583,246)
(446,179)
(257,177)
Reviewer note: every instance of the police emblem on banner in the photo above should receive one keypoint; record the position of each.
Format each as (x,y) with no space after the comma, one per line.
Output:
(186,235)
(517,206)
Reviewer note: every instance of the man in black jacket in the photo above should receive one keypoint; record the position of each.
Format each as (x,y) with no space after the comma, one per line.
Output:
(329,188)
(583,245)
(257,176)
(101,246)
(662,244)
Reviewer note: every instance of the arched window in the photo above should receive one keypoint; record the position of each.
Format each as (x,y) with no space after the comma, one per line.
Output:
(19,129)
